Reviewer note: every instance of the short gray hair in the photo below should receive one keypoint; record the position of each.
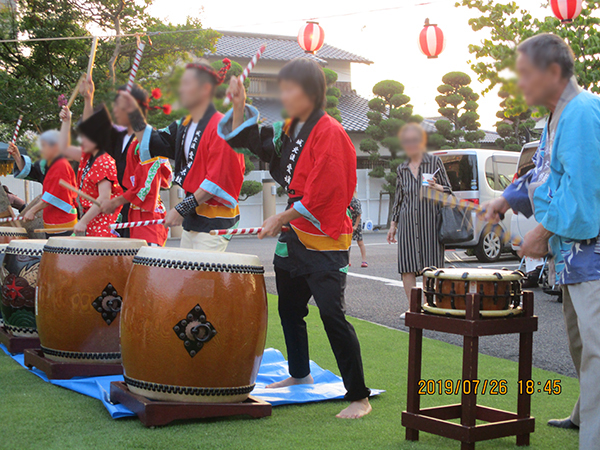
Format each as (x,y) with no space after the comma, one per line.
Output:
(50,137)
(545,49)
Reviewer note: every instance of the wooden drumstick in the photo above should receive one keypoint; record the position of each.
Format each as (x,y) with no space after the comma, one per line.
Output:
(82,194)
(92,56)
(453,202)
(75,91)
(52,230)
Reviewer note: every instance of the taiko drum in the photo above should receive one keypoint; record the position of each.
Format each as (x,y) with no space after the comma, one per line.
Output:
(2,249)
(8,234)
(82,281)
(448,288)
(20,269)
(193,325)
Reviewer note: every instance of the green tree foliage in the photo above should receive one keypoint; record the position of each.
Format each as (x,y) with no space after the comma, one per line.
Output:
(458,104)
(333,95)
(34,74)
(506,25)
(389,110)
(250,188)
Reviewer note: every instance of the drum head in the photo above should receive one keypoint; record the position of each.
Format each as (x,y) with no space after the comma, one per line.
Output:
(159,254)
(36,246)
(469,274)
(13,231)
(94,243)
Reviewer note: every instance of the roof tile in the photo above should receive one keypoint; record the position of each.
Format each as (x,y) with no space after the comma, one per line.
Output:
(279,48)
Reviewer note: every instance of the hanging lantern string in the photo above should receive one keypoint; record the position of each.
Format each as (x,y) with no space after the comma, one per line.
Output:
(159,33)
(247,71)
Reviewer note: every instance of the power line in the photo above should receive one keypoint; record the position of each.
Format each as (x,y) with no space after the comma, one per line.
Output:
(106,36)
(335,16)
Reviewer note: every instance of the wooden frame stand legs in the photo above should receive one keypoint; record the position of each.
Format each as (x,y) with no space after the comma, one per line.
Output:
(436,420)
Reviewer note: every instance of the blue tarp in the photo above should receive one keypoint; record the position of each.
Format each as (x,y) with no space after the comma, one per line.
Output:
(327,386)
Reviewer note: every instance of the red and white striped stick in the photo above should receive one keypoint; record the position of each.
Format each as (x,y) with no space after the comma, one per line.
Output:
(234,231)
(142,223)
(247,71)
(14,139)
(136,65)
(11,219)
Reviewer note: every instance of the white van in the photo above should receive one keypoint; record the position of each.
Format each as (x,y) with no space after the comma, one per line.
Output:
(480,175)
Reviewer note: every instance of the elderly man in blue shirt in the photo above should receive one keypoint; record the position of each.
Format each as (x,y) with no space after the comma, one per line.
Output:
(563,192)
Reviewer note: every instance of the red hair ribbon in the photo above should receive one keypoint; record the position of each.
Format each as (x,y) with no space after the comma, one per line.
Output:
(218,76)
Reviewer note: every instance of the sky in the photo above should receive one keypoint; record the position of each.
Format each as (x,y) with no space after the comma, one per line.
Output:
(388,38)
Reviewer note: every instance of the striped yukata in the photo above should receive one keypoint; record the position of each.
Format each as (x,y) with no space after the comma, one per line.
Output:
(418,244)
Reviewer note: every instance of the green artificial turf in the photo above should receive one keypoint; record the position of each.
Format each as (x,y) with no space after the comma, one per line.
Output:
(38,415)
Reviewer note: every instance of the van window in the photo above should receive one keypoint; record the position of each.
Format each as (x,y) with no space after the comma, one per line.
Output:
(499,174)
(526,160)
(462,171)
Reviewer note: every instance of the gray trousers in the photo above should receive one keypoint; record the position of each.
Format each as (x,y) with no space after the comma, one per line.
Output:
(581,307)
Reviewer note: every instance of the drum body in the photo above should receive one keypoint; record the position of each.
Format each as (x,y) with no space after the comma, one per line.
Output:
(2,249)
(448,288)
(8,234)
(20,269)
(82,281)
(193,325)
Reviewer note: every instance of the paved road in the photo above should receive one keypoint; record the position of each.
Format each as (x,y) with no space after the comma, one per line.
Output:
(376,294)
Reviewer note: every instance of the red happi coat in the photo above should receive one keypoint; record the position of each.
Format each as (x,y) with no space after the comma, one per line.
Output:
(143,181)
(103,167)
(317,166)
(61,210)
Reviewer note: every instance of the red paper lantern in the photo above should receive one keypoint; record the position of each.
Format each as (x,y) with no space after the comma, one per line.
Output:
(311,37)
(566,10)
(431,40)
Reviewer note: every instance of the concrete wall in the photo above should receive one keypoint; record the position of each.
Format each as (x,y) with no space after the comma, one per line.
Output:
(368,193)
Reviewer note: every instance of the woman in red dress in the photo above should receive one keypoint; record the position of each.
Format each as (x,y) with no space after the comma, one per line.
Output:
(97,174)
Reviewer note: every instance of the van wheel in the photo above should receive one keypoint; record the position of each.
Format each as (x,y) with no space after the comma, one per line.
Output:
(489,248)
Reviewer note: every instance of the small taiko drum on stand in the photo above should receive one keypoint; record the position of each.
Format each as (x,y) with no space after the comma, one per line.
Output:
(20,269)
(8,234)
(446,290)
(193,325)
(82,281)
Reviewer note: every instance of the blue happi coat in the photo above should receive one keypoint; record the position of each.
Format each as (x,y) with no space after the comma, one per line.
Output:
(563,190)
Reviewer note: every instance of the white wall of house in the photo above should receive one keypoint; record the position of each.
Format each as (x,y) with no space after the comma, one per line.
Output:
(368,193)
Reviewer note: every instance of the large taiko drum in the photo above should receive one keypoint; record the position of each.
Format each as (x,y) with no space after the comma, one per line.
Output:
(8,234)
(193,325)
(82,281)
(448,288)
(20,269)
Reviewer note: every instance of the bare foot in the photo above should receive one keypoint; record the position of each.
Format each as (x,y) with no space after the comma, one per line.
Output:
(291,381)
(356,410)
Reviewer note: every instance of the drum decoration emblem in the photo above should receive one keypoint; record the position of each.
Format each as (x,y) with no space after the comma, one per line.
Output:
(18,291)
(194,330)
(108,304)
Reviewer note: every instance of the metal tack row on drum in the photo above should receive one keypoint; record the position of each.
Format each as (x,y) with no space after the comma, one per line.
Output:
(188,326)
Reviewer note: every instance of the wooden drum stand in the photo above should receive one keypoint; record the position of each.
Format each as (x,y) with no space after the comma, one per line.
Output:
(436,420)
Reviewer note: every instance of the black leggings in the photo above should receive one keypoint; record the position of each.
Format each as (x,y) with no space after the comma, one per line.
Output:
(327,288)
